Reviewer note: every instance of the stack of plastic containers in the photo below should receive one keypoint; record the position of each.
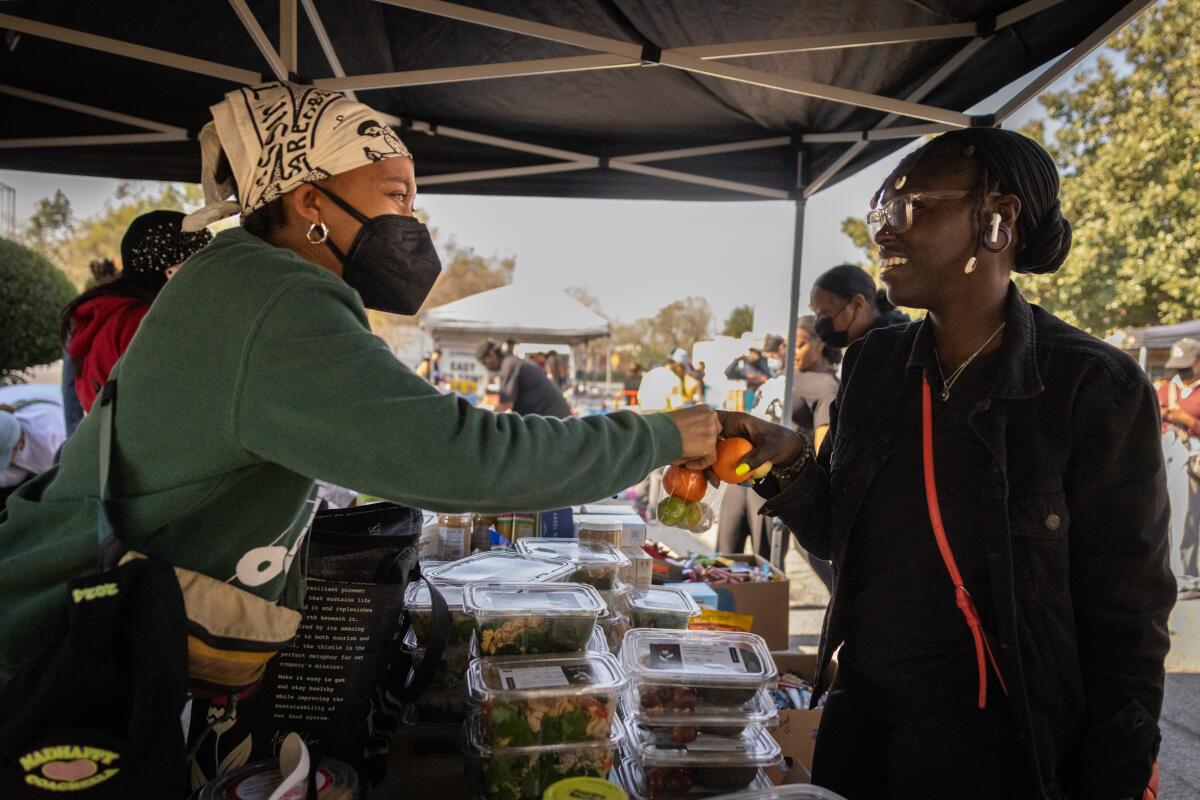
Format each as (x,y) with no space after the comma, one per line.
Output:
(438,715)
(696,713)
(545,706)
(597,564)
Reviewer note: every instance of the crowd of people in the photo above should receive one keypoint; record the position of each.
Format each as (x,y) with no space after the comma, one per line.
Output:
(982,489)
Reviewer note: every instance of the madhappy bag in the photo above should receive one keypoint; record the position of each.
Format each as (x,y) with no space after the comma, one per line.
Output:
(341,683)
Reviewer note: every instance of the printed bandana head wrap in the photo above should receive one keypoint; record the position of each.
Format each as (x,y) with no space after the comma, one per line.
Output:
(266,140)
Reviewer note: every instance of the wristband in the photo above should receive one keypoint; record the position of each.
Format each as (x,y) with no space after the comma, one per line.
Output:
(793,469)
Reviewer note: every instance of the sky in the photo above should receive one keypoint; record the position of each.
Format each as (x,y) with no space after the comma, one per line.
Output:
(635,256)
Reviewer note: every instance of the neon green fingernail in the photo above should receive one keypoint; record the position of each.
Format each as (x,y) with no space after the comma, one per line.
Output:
(741,470)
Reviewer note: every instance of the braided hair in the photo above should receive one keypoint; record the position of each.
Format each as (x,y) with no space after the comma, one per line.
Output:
(1010,163)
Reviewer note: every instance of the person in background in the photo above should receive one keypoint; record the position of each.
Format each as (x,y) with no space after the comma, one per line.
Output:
(424,370)
(524,388)
(557,370)
(1179,406)
(774,350)
(751,368)
(98,325)
(32,430)
(102,270)
(670,386)
(991,493)
(814,388)
(848,306)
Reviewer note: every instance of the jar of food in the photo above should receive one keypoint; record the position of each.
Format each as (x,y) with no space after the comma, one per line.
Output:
(600,531)
(454,536)
(480,532)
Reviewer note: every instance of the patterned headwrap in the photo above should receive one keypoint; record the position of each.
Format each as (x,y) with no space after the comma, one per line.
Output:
(266,140)
(155,243)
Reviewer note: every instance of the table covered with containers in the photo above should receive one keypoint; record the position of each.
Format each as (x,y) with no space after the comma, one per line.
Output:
(567,673)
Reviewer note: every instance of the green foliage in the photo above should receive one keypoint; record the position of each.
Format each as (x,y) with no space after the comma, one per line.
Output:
(856,230)
(651,339)
(1127,141)
(33,293)
(741,320)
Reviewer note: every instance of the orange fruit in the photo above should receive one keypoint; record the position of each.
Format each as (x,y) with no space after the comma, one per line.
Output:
(730,453)
(689,484)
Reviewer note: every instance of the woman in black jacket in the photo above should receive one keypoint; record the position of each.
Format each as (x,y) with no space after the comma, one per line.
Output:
(991,494)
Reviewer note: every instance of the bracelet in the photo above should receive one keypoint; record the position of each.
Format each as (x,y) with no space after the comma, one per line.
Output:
(793,469)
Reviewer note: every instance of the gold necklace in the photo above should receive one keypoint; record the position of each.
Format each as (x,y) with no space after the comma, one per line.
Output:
(954,376)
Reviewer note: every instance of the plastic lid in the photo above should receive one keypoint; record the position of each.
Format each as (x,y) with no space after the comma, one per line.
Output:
(531,677)
(793,791)
(633,779)
(698,658)
(597,644)
(416,596)
(584,789)
(662,598)
(759,711)
(578,551)
(497,566)
(600,525)
(754,747)
(532,599)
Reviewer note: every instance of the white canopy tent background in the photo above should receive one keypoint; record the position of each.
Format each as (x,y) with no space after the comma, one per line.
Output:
(524,312)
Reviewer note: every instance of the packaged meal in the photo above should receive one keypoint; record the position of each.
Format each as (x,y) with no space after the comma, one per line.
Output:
(524,773)
(596,563)
(419,606)
(532,618)
(438,707)
(667,784)
(792,791)
(538,700)
(500,567)
(723,763)
(598,643)
(661,607)
(614,625)
(451,672)
(669,728)
(696,670)
(616,599)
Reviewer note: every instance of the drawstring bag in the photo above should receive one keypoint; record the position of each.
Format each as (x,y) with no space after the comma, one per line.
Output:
(342,682)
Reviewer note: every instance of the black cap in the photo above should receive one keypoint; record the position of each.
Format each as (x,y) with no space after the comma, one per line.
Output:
(155,242)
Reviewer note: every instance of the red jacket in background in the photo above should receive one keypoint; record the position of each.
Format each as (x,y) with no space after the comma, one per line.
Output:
(1170,393)
(100,332)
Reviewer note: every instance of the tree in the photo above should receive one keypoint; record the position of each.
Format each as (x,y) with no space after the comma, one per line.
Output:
(1127,142)
(856,230)
(33,293)
(741,320)
(49,226)
(680,324)
(591,358)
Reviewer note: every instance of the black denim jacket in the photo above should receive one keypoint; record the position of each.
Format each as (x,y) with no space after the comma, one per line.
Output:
(1075,520)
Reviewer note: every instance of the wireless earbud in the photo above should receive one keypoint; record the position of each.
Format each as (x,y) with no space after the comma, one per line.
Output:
(995,237)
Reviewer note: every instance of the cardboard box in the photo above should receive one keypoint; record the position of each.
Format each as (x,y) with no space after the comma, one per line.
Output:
(768,602)
(640,568)
(797,731)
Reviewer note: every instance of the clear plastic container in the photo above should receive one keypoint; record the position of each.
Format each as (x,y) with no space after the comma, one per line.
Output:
(793,791)
(524,773)
(696,670)
(598,643)
(682,727)
(596,530)
(532,618)
(661,607)
(500,567)
(712,763)
(616,599)
(632,778)
(452,669)
(541,700)
(445,707)
(419,606)
(614,626)
(596,563)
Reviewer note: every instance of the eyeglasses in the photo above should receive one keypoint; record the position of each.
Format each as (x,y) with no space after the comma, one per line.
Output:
(897,213)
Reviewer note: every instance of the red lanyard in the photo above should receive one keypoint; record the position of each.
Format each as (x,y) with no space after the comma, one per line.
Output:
(961,596)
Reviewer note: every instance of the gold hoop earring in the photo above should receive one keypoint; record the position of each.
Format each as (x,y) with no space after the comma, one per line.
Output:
(321,237)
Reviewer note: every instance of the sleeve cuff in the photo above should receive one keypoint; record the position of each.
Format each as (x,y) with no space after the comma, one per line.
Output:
(668,444)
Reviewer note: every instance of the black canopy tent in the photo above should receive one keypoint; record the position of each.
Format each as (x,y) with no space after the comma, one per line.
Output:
(687,99)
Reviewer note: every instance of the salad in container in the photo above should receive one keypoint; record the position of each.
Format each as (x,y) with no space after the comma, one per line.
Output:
(524,773)
(451,671)
(661,607)
(498,566)
(532,618)
(541,700)
(708,763)
(683,727)
(596,563)
(419,606)
(696,671)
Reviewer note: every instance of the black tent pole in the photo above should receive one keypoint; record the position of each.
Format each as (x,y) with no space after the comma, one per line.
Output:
(789,359)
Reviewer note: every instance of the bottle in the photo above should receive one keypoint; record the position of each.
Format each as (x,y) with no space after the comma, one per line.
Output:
(453,536)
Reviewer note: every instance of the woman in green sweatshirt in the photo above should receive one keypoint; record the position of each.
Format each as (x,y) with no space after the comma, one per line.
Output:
(256,373)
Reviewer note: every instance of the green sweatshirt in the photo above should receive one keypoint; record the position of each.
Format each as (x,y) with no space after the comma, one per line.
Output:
(254,373)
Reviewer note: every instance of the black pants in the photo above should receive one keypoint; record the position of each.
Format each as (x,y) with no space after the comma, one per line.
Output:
(865,754)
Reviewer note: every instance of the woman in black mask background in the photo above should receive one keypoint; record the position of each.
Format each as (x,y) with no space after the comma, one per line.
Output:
(848,306)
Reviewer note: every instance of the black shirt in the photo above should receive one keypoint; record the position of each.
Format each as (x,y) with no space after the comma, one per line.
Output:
(526,386)
(813,393)
(904,630)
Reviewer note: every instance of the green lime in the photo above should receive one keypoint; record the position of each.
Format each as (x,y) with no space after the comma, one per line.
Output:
(672,511)
(693,513)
